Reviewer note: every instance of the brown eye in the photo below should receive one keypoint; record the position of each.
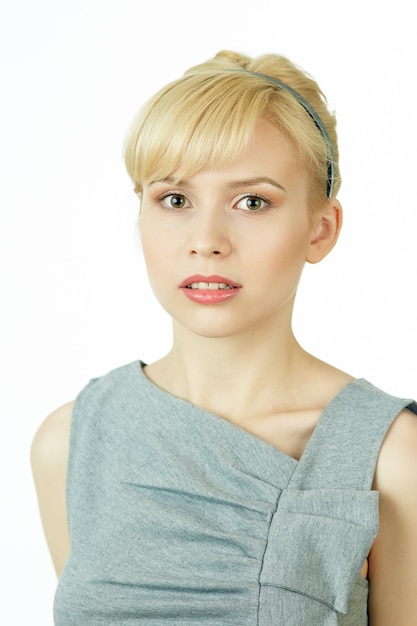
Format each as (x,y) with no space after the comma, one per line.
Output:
(175,201)
(252,203)
(178,202)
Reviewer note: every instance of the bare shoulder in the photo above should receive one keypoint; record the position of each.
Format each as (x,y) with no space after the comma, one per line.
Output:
(393,558)
(51,441)
(398,458)
(49,458)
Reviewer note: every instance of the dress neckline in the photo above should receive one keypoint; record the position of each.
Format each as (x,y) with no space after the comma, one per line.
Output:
(322,420)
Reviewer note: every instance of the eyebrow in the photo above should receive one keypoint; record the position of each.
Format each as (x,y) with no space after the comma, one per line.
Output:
(245,182)
(249,182)
(168,180)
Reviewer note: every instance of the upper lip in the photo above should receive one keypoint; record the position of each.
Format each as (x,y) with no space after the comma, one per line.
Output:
(213,278)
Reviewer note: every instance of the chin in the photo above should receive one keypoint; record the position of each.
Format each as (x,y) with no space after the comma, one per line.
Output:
(215,326)
(210,331)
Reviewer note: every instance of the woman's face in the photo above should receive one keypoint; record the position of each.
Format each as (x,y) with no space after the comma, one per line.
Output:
(225,249)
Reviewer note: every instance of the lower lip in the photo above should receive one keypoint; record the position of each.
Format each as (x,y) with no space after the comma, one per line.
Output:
(209,296)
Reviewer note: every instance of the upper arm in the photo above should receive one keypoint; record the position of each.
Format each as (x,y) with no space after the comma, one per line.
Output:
(49,458)
(393,558)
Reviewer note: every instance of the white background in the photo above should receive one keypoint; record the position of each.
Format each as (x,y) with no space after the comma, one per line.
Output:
(75,301)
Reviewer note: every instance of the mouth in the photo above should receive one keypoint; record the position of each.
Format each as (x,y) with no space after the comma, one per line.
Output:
(209,290)
(213,286)
(209,283)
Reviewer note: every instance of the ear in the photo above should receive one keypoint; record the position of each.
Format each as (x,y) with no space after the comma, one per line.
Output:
(325,232)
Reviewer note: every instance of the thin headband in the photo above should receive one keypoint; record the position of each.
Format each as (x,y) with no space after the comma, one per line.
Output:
(314,116)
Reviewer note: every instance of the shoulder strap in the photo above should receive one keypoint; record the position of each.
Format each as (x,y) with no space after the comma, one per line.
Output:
(412,407)
(343,450)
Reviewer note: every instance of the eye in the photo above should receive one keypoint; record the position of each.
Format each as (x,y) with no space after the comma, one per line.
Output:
(175,201)
(252,203)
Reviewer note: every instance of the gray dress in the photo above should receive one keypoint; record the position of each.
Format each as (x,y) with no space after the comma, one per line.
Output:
(179,517)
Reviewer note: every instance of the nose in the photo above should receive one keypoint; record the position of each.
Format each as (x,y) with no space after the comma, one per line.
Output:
(209,234)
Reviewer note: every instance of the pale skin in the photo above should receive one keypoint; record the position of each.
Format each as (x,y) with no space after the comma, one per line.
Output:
(239,359)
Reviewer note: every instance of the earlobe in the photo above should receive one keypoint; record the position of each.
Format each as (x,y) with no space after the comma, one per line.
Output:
(326,231)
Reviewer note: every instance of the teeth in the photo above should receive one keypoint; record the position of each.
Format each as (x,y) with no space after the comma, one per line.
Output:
(209,286)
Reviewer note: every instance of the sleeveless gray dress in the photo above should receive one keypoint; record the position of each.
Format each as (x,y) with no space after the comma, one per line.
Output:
(179,517)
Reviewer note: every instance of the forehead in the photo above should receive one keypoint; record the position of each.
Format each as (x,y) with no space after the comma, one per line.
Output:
(269,148)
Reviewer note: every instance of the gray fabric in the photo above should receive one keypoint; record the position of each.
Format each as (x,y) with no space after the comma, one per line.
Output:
(179,517)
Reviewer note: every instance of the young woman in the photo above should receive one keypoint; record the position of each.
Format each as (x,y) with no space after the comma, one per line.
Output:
(239,480)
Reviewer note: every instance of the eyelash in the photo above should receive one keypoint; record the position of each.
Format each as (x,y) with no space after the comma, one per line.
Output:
(266,202)
(172,194)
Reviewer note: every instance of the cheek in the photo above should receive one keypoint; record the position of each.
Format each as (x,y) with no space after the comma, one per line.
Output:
(158,254)
(149,247)
(286,250)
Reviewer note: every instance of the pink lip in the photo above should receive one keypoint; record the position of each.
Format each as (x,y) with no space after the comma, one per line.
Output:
(209,296)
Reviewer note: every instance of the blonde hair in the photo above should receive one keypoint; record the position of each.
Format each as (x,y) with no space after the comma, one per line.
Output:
(207,117)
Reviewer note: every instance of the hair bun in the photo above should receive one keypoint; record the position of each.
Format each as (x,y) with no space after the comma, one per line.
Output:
(233,57)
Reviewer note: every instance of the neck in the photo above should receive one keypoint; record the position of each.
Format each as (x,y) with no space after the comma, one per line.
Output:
(235,374)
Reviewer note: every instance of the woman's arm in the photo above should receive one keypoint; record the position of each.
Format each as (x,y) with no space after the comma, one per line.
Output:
(393,558)
(49,457)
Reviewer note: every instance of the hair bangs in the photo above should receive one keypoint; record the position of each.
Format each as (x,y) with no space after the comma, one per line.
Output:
(201,127)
